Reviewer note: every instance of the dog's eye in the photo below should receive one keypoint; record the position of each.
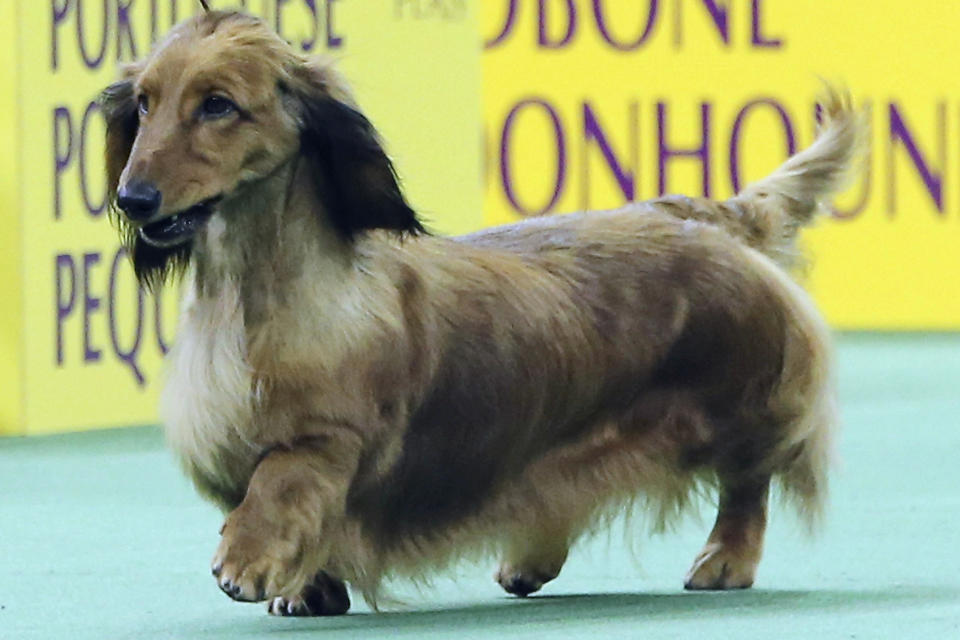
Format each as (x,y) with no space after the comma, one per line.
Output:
(143,104)
(216,107)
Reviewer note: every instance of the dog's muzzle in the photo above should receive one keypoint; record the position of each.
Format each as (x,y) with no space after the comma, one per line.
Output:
(139,200)
(179,228)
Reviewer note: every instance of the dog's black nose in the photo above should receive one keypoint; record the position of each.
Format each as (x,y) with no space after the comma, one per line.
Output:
(139,200)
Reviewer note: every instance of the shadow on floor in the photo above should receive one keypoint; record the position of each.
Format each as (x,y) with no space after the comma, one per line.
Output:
(584,609)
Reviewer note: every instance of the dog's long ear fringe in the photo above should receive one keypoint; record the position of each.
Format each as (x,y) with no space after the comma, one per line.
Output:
(358,183)
(120,112)
(151,265)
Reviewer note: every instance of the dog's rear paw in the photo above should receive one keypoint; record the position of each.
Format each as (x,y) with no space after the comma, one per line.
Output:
(520,583)
(719,567)
(326,596)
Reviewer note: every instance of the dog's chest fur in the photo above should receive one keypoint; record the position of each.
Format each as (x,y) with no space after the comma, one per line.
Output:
(207,404)
(249,370)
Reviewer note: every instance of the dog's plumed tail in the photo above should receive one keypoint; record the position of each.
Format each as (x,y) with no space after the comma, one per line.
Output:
(775,208)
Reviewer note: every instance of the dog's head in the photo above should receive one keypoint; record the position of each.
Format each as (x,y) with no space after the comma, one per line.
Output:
(219,105)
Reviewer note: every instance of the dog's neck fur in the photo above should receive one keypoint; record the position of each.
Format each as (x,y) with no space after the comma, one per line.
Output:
(264,238)
(263,256)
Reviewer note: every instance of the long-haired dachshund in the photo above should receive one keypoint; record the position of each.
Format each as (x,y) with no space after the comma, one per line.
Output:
(366,400)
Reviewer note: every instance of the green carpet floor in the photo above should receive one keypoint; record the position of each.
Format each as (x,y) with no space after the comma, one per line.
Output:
(101,538)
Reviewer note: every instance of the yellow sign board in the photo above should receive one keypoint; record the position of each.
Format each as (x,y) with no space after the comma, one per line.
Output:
(592,103)
(82,346)
(585,104)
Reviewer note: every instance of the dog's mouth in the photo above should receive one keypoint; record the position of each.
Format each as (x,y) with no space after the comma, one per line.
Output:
(179,228)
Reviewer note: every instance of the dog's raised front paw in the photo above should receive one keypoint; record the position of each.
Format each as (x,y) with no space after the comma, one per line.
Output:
(325,596)
(254,562)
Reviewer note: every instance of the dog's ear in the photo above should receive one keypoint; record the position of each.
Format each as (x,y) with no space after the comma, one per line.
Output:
(120,112)
(357,181)
(151,265)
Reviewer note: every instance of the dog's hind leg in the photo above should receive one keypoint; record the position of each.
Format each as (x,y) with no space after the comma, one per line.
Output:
(730,557)
(533,557)
(325,596)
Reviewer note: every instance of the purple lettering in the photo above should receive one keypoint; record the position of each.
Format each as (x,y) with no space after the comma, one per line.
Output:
(90,304)
(60,11)
(505,157)
(334,41)
(720,16)
(665,153)
(598,14)
(278,21)
(308,45)
(62,153)
(124,30)
(543,37)
(507,26)
(95,208)
(593,132)
(92,62)
(932,180)
(127,356)
(757,38)
(64,265)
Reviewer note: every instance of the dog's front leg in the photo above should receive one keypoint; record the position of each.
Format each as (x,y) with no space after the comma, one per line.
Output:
(274,543)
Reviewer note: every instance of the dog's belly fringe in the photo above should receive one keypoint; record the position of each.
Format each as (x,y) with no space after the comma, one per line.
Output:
(587,483)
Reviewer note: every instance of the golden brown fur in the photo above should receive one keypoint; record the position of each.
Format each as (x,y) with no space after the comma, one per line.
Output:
(368,401)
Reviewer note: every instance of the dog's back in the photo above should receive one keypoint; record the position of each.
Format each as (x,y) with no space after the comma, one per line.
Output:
(768,214)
